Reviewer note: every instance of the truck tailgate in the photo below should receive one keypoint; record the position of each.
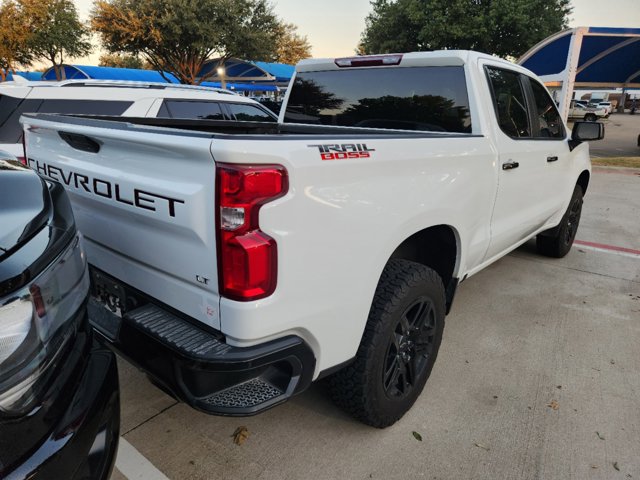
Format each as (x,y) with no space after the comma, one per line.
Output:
(144,201)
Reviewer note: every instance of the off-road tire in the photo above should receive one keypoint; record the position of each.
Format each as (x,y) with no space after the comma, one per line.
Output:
(359,388)
(559,244)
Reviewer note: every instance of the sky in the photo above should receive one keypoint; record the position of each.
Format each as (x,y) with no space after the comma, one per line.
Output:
(333,27)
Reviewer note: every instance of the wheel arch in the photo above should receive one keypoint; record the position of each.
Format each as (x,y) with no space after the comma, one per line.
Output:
(583,180)
(437,247)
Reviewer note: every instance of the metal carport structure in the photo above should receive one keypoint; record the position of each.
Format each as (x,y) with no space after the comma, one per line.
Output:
(586,57)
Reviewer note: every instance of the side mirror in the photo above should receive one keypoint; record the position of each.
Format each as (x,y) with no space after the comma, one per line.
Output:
(587,131)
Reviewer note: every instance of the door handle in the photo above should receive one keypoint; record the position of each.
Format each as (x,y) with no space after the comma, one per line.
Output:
(552,159)
(510,165)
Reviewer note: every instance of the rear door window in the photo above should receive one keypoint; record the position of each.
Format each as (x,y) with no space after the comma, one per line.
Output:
(191,109)
(405,98)
(249,113)
(509,101)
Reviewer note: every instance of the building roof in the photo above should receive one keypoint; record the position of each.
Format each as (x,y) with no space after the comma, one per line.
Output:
(607,57)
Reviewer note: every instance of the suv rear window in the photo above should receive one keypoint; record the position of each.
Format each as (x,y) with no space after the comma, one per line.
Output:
(410,98)
(11,130)
(10,110)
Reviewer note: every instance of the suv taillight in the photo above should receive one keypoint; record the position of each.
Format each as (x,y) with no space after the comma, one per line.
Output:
(247,257)
(23,160)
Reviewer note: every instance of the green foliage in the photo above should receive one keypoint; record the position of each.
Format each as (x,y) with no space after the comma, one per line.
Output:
(500,27)
(14,38)
(119,60)
(179,36)
(291,47)
(56,31)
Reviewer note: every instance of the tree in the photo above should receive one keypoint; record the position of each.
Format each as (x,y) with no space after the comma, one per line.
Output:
(179,36)
(14,39)
(499,27)
(120,60)
(291,47)
(56,31)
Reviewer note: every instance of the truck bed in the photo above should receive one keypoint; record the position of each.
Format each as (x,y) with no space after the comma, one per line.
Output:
(220,128)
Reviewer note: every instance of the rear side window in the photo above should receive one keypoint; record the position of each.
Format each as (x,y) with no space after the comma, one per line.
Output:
(509,102)
(84,107)
(411,98)
(191,110)
(11,130)
(10,111)
(249,113)
(550,123)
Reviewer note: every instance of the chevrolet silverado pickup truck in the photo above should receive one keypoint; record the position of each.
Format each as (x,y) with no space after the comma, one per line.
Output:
(237,262)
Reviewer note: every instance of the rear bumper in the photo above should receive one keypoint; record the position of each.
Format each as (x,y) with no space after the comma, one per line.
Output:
(195,366)
(83,422)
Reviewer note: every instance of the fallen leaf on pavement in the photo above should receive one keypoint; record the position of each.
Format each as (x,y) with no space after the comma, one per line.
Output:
(594,466)
(417,436)
(615,465)
(240,435)
(484,447)
(600,436)
(553,405)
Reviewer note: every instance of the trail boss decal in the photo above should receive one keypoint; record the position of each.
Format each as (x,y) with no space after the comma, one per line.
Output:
(103,188)
(343,151)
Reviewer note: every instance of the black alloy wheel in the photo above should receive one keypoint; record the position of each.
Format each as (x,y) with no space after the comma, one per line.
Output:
(409,348)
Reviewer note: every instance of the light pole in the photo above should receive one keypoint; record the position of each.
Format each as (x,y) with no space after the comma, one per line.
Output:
(221,73)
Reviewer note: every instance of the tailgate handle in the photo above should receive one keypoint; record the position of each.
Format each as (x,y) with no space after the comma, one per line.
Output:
(80,142)
(552,159)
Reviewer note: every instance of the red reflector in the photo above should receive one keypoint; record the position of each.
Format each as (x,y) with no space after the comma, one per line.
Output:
(368,61)
(36,297)
(22,160)
(247,257)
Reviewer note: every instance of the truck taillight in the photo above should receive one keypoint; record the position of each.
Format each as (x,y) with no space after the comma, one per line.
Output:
(247,257)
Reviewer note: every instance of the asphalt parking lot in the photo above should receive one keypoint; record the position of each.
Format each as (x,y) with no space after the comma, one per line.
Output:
(537,377)
(621,137)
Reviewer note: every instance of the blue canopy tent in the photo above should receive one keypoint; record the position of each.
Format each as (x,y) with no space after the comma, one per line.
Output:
(586,57)
(83,72)
(31,76)
(235,70)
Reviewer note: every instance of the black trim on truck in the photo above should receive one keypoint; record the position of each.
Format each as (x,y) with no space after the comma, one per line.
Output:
(194,364)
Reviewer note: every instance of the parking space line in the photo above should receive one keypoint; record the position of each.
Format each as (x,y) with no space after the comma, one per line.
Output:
(135,466)
(602,247)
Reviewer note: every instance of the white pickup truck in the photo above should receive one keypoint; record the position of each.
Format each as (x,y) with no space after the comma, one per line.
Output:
(237,262)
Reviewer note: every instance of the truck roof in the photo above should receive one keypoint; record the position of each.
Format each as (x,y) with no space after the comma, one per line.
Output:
(411,59)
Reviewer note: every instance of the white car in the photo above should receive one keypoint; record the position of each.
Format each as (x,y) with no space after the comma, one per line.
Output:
(590,114)
(607,106)
(236,263)
(131,99)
